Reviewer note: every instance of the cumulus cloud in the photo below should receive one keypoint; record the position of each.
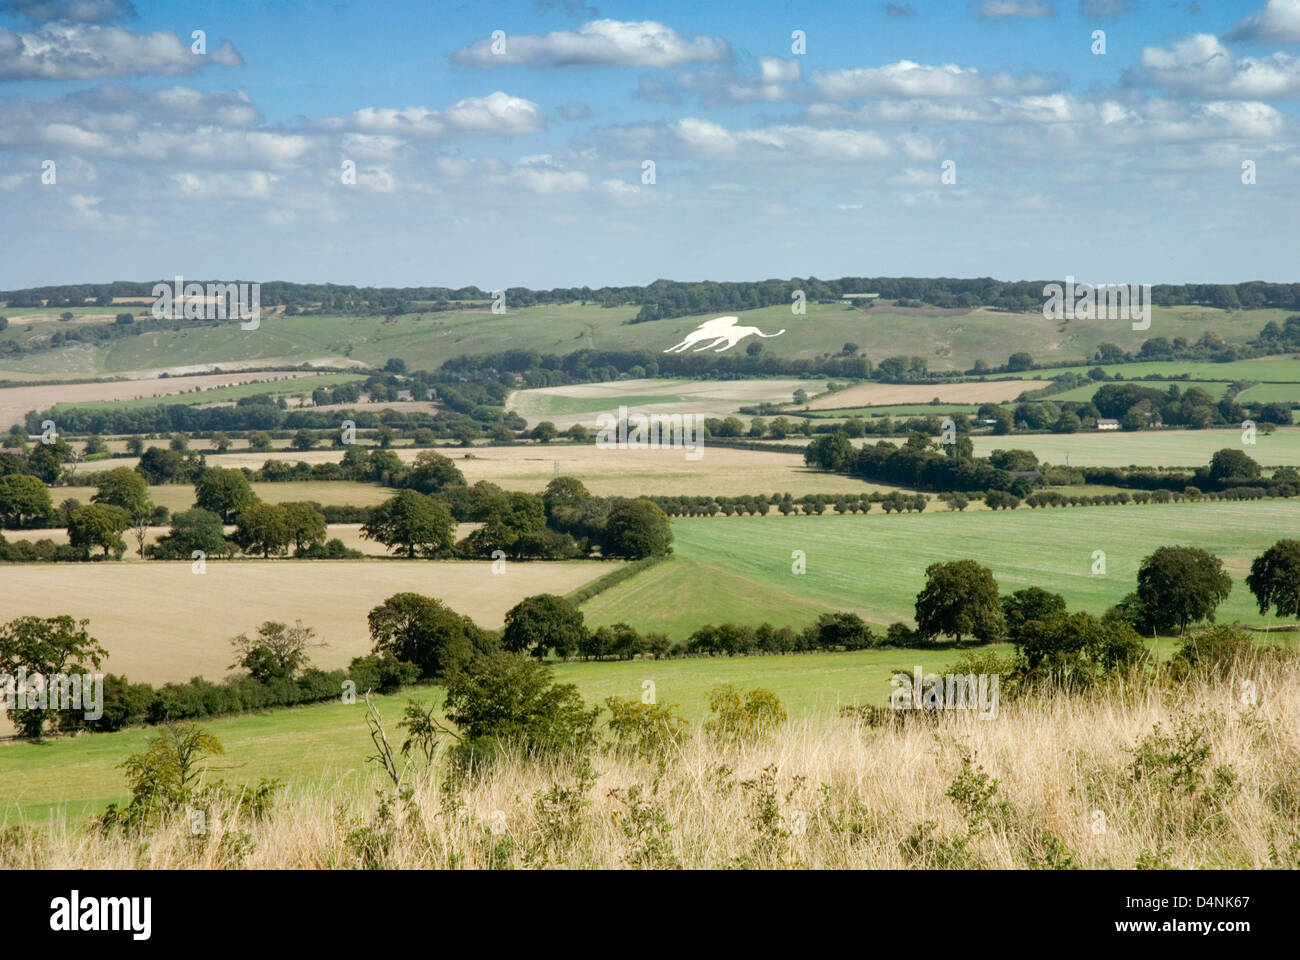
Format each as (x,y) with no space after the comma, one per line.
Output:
(1278,22)
(497,114)
(1202,66)
(1011,9)
(908,79)
(601,43)
(73,51)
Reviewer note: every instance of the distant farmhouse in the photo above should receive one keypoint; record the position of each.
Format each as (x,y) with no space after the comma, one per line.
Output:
(1107,424)
(860,296)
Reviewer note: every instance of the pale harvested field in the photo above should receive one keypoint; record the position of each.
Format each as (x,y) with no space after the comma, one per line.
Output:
(882,394)
(17,402)
(627,473)
(582,403)
(606,472)
(162,622)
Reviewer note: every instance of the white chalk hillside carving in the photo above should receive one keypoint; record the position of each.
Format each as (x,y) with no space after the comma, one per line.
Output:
(718,330)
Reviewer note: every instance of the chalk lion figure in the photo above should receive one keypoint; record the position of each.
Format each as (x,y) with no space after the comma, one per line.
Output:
(720,330)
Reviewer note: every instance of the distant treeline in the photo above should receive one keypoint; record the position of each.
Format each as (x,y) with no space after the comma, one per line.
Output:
(669,298)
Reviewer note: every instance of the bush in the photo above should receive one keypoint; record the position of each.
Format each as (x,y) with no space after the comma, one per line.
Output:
(1212,651)
(509,700)
(644,729)
(742,718)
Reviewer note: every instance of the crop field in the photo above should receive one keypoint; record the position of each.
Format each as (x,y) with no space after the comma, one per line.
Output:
(581,402)
(161,621)
(606,472)
(740,569)
(1146,448)
(323,743)
(16,402)
(295,384)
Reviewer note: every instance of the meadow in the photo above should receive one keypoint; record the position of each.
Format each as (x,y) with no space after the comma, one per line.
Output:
(740,569)
(323,742)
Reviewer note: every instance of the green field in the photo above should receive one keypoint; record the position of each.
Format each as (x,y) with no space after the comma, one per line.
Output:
(739,569)
(328,741)
(1146,448)
(947,339)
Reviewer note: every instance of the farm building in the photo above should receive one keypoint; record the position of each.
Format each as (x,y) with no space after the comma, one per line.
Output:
(1107,424)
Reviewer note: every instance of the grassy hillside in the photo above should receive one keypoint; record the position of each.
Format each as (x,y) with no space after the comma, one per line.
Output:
(947,339)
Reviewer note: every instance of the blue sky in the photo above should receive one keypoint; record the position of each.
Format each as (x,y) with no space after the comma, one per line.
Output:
(523,164)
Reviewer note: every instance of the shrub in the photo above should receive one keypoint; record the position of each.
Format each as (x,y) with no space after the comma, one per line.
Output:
(736,717)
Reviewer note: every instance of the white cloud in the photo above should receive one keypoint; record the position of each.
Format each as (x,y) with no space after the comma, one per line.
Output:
(497,114)
(71,51)
(542,174)
(1278,22)
(255,184)
(776,70)
(908,79)
(601,43)
(1202,66)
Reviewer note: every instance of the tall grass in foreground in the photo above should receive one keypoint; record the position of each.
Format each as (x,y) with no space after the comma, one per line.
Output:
(1150,775)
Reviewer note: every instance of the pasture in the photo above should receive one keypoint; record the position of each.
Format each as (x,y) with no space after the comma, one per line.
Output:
(322,743)
(740,569)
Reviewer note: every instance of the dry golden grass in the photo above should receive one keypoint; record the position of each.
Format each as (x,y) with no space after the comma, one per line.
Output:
(161,622)
(823,793)
(880,394)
